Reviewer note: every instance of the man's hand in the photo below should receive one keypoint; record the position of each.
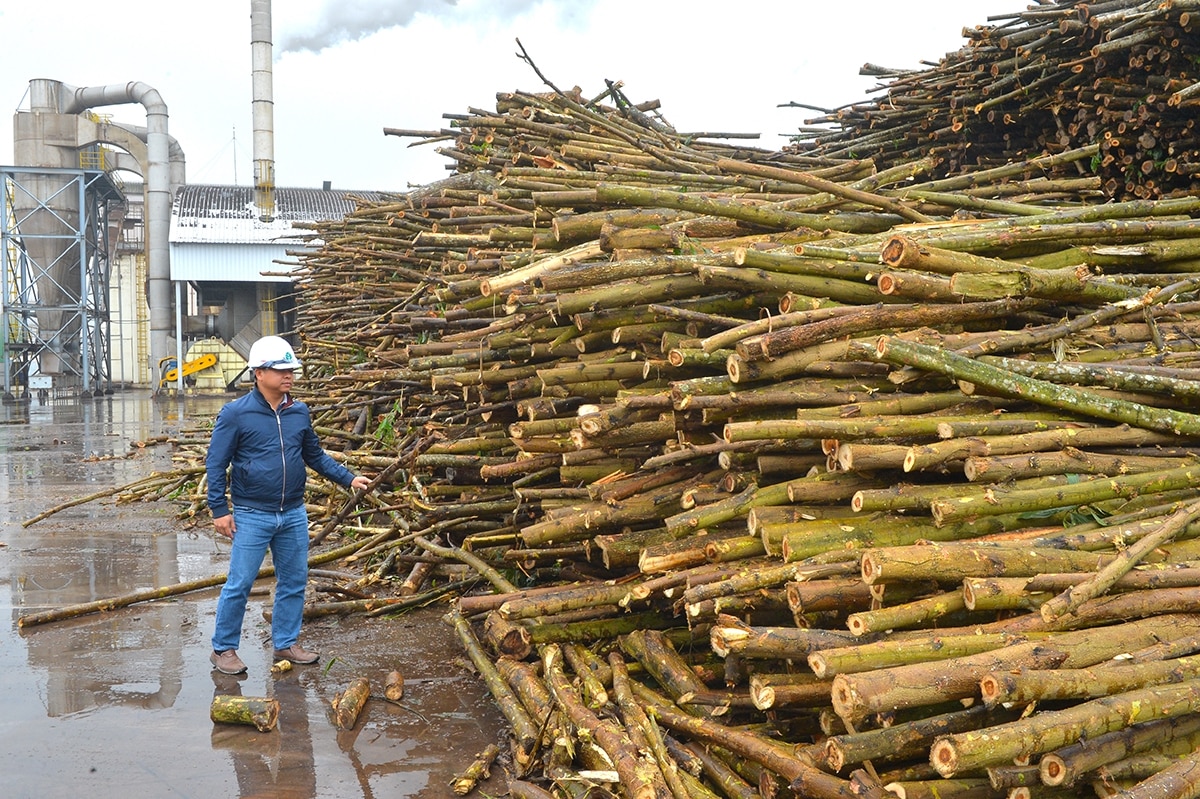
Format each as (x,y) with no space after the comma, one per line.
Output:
(360,482)
(225,526)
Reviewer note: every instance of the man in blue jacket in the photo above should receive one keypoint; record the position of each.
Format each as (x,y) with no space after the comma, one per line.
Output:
(260,446)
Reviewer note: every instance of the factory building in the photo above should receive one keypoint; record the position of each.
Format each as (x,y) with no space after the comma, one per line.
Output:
(105,285)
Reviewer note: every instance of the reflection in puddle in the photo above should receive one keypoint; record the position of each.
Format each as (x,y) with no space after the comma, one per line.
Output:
(117,704)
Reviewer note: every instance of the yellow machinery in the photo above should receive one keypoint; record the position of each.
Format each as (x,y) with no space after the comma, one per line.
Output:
(211,365)
(189,367)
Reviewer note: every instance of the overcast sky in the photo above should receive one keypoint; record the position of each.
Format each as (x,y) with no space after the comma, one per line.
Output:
(346,69)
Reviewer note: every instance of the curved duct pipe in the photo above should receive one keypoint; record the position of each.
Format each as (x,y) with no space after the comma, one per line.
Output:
(132,138)
(73,100)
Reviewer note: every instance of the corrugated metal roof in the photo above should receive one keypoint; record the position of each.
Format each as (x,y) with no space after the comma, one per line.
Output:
(227,214)
(216,234)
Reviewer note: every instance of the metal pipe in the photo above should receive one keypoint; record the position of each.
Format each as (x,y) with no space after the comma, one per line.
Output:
(124,135)
(73,100)
(179,338)
(263,107)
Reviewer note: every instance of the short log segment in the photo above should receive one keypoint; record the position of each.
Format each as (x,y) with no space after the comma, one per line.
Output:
(480,769)
(393,686)
(349,704)
(262,713)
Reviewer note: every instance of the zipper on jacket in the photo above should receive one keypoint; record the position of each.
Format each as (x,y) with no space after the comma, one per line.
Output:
(282,461)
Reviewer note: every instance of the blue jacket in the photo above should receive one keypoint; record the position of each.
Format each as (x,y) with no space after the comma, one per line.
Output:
(268,451)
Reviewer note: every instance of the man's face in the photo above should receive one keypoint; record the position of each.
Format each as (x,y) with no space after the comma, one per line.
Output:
(275,379)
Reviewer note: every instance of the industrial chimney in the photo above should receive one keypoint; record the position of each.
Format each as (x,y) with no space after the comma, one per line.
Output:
(264,109)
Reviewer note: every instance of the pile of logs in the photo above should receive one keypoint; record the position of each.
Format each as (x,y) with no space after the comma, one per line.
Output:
(1124,75)
(797,474)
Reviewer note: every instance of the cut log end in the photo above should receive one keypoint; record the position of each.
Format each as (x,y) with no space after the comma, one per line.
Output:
(763,696)
(870,568)
(992,689)
(734,368)
(900,251)
(835,758)
(943,757)
(1053,770)
(844,698)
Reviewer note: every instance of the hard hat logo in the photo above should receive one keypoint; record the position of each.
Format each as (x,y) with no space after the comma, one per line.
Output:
(272,352)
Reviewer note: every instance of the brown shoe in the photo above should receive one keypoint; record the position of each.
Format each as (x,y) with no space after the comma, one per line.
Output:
(228,662)
(297,654)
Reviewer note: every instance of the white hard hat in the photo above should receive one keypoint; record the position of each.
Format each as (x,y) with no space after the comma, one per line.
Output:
(272,352)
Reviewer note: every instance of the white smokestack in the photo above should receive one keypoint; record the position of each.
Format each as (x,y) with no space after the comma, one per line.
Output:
(264,109)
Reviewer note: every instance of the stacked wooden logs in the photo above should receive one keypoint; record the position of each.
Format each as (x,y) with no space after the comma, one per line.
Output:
(790,475)
(1123,75)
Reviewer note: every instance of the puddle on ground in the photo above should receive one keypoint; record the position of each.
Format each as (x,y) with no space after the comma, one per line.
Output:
(117,704)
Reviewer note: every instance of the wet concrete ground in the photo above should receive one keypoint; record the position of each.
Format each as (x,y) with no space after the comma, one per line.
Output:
(117,704)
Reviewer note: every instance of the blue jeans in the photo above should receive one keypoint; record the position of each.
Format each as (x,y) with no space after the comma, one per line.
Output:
(286,534)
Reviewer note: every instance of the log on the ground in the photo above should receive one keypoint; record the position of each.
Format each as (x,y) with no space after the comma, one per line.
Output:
(258,711)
